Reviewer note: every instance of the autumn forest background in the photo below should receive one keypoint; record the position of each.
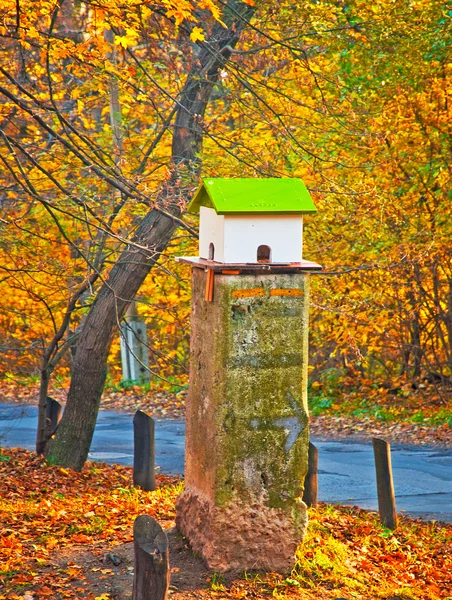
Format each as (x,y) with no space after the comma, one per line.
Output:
(110,113)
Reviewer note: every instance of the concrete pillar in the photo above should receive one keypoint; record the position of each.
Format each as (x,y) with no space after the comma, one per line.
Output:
(134,348)
(247,424)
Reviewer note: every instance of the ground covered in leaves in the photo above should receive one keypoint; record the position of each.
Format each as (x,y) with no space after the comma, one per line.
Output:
(68,535)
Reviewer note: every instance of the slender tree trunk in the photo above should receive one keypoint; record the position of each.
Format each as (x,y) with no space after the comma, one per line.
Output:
(73,438)
(51,356)
(416,346)
(415,334)
(448,322)
(71,444)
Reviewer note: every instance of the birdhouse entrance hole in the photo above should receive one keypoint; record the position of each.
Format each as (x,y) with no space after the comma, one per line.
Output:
(211,251)
(264,254)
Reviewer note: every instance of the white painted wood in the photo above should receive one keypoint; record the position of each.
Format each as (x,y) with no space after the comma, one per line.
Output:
(244,234)
(211,230)
(236,238)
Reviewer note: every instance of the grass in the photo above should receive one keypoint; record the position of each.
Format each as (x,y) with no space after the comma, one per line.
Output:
(393,411)
(171,385)
(347,553)
(423,404)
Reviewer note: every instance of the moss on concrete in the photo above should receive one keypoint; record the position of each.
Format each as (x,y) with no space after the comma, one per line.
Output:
(247,423)
(247,412)
(262,417)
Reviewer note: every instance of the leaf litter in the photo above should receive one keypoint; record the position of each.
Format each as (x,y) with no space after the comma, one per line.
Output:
(60,529)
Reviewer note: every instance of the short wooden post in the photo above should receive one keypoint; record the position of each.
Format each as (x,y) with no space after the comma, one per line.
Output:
(385,485)
(152,573)
(144,451)
(310,493)
(53,416)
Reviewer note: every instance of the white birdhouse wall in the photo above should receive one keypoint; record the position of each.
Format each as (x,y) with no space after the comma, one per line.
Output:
(236,238)
(211,231)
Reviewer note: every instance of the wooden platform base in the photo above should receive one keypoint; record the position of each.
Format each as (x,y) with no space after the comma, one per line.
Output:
(247,268)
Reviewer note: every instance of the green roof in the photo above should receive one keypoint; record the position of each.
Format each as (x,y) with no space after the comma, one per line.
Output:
(258,196)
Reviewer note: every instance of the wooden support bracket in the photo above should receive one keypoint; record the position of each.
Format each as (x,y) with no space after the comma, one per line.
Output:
(210,277)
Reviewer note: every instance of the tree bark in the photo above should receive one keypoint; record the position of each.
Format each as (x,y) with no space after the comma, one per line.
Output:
(448,322)
(72,441)
(415,335)
(50,358)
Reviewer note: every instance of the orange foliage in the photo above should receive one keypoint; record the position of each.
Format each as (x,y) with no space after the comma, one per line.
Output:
(353,99)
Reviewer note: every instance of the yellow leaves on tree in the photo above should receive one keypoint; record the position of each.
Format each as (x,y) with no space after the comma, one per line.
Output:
(130,38)
(70,221)
(384,217)
(197,34)
(351,99)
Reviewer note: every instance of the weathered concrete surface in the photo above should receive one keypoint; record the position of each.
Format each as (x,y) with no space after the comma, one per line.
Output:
(247,434)
(239,535)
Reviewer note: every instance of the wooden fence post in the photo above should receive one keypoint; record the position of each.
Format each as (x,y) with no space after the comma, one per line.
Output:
(310,494)
(144,451)
(385,485)
(53,416)
(152,573)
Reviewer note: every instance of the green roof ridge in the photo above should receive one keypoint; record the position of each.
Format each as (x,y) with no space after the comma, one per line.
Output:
(253,196)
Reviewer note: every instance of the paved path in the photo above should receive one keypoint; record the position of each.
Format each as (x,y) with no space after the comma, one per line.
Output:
(112,441)
(422,476)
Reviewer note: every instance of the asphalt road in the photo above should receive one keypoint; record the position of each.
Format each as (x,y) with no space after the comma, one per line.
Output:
(422,476)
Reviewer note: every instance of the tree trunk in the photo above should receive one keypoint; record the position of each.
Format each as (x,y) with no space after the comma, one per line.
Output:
(448,322)
(73,438)
(50,358)
(415,335)
(71,444)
